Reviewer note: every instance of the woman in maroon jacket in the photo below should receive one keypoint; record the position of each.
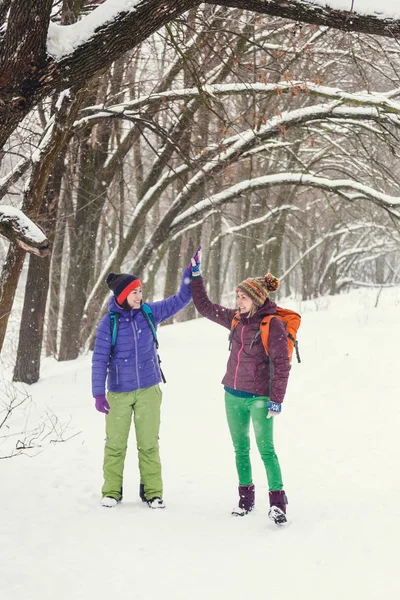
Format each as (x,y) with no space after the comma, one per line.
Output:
(249,391)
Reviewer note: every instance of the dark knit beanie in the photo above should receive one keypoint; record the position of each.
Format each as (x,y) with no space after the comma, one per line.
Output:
(122,285)
(258,288)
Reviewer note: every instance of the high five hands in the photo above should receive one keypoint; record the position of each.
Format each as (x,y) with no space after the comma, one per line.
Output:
(195,263)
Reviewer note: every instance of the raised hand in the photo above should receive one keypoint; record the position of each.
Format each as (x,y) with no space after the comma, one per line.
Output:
(195,263)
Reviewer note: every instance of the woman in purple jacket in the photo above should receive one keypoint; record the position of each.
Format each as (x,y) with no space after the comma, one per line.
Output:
(249,391)
(133,375)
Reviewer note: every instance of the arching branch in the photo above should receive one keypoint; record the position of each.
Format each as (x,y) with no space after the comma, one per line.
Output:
(16,227)
(101,37)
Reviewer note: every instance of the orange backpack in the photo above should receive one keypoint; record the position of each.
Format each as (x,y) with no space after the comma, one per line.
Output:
(291,322)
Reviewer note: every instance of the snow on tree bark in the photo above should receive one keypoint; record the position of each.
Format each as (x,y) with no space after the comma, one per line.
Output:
(19,229)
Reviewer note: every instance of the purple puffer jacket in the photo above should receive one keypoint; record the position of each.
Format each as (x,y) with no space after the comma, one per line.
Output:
(134,364)
(248,366)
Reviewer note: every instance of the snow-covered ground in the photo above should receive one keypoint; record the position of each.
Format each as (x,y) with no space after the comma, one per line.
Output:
(338,443)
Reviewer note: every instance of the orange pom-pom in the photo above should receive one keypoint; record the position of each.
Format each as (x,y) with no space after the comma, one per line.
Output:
(272,282)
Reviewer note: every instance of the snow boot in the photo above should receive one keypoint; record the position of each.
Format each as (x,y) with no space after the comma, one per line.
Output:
(246,500)
(277,511)
(141,493)
(109,502)
(156,503)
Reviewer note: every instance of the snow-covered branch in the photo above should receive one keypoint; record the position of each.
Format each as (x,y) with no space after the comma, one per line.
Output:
(62,42)
(77,52)
(16,227)
(245,141)
(245,226)
(333,13)
(251,185)
(332,234)
(13,176)
(295,88)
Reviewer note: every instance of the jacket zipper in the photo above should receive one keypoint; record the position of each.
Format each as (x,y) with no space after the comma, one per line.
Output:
(136,353)
(239,353)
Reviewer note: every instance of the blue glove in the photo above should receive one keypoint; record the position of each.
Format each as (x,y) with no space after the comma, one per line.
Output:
(274,409)
(195,263)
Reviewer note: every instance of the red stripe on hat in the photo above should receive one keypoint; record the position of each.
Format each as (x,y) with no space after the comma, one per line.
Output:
(129,288)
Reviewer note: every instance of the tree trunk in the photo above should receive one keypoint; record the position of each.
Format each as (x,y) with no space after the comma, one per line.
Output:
(333,277)
(380,267)
(173,268)
(33,198)
(215,262)
(8,285)
(27,368)
(91,196)
(243,269)
(275,256)
(55,285)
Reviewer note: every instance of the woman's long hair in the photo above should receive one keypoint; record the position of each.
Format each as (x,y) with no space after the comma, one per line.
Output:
(253,310)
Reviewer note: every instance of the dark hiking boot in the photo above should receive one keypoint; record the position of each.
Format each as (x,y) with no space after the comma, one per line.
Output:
(141,493)
(246,500)
(277,511)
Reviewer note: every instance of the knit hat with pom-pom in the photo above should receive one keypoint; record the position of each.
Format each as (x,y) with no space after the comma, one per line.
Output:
(258,288)
(122,285)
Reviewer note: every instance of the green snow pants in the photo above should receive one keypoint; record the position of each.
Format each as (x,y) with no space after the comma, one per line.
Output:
(239,411)
(145,405)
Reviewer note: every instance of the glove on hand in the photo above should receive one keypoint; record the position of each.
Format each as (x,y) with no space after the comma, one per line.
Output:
(195,263)
(102,404)
(274,409)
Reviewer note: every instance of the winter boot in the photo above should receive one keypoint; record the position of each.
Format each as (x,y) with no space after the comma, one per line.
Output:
(109,502)
(277,502)
(246,500)
(141,493)
(156,503)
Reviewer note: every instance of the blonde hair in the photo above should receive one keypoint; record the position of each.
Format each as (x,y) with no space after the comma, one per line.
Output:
(253,310)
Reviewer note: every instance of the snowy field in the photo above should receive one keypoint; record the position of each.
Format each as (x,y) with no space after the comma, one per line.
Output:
(338,443)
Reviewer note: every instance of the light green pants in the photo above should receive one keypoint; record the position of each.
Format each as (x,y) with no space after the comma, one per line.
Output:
(239,411)
(145,406)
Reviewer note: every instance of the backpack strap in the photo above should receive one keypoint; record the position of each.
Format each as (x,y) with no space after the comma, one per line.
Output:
(264,331)
(148,315)
(296,346)
(234,324)
(114,324)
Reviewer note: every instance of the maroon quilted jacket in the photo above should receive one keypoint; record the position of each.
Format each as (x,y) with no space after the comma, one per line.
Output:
(248,367)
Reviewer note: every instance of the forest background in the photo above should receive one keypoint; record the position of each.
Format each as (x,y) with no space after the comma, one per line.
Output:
(273,142)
